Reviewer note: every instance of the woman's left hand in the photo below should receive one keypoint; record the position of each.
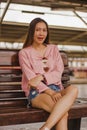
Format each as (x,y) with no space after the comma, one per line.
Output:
(56,96)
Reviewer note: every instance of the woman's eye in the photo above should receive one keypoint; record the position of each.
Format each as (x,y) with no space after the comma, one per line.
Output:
(37,29)
(44,30)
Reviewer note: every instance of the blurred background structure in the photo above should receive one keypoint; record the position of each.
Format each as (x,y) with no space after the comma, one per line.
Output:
(67,20)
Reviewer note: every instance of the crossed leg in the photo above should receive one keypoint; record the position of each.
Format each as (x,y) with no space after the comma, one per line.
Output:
(58,112)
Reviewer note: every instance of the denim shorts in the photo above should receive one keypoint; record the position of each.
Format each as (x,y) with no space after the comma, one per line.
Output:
(34,92)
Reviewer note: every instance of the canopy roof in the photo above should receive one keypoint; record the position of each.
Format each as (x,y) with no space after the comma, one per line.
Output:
(15,19)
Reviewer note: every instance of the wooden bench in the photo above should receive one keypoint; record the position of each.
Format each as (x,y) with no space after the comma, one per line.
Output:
(13,103)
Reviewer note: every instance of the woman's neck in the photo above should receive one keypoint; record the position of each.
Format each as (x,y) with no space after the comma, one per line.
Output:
(39,47)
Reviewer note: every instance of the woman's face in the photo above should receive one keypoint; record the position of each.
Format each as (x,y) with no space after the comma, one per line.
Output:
(40,33)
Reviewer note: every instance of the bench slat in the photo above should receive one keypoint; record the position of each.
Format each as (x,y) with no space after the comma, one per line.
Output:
(9,87)
(10,78)
(11,94)
(17,102)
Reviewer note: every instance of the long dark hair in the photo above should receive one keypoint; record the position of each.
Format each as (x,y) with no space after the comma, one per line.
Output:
(31,30)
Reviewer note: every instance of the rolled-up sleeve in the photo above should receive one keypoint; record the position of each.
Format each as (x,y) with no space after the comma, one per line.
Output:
(54,76)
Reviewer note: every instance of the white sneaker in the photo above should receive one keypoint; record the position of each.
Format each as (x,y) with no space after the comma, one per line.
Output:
(46,128)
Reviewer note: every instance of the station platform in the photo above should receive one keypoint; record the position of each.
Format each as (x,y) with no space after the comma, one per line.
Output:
(78,80)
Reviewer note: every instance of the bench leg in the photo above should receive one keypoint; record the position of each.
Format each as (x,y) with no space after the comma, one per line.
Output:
(74,124)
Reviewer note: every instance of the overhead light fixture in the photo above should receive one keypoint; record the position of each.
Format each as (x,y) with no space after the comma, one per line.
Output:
(33,12)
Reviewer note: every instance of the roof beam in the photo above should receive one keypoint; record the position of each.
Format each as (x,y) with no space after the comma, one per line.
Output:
(5,10)
(42,1)
(69,43)
(75,37)
(80,17)
(74,43)
(76,54)
(23,38)
(75,1)
(50,26)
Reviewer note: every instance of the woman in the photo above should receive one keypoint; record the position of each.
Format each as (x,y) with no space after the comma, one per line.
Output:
(42,69)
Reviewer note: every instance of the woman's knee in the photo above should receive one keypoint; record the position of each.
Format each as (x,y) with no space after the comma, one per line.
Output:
(73,90)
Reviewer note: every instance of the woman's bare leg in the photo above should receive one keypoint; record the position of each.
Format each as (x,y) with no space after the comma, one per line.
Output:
(47,104)
(62,124)
(59,109)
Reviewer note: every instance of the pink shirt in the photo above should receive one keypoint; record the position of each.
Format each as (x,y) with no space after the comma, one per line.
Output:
(31,63)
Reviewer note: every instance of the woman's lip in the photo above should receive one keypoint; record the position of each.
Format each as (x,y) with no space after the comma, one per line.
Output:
(39,38)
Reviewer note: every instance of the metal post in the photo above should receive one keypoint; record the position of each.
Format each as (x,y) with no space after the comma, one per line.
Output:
(5,10)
